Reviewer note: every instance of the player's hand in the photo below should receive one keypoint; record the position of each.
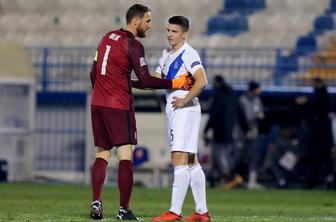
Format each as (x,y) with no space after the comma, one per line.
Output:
(184,82)
(301,100)
(188,82)
(178,102)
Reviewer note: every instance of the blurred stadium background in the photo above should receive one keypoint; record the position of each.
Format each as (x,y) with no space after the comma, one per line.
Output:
(44,118)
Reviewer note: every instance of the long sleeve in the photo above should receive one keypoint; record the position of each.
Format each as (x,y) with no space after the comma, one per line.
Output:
(137,84)
(145,80)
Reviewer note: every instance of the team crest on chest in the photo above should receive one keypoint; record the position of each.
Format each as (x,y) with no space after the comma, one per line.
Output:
(176,65)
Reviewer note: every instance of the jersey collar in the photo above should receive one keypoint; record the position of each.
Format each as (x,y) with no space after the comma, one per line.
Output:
(128,32)
(180,49)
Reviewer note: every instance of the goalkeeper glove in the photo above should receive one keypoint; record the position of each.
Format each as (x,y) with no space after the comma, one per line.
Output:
(184,82)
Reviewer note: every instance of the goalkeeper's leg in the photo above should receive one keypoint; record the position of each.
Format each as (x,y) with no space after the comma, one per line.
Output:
(98,175)
(125,181)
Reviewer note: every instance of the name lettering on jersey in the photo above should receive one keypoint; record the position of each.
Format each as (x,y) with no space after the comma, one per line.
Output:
(114,37)
(195,63)
(142,62)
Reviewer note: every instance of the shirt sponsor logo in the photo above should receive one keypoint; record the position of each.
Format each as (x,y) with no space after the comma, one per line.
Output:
(195,64)
(142,61)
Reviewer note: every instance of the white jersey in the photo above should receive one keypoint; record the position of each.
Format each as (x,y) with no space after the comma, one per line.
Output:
(183,123)
(173,65)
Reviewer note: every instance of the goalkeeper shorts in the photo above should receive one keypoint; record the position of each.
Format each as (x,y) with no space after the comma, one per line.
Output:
(113,127)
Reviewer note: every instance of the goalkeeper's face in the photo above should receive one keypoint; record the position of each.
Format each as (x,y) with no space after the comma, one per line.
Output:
(175,35)
(144,25)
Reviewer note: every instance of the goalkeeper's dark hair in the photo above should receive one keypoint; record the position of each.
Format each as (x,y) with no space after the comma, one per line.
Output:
(136,10)
(181,21)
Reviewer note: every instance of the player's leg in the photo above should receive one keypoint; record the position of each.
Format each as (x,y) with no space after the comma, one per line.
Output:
(181,180)
(179,127)
(197,177)
(185,125)
(98,169)
(123,136)
(183,128)
(176,133)
(180,187)
(98,175)
(125,174)
(198,188)
(125,181)
(98,172)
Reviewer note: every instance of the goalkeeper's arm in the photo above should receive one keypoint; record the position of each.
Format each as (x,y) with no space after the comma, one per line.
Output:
(137,84)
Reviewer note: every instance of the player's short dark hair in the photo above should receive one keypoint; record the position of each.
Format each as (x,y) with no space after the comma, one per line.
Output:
(181,21)
(136,10)
(253,85)
(219,78)
(318,80)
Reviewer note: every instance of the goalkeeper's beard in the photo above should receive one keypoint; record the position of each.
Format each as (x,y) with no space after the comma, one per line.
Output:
(141,32)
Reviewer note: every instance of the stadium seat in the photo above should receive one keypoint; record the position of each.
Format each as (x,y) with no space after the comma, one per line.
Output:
(333,5)
(230,25)
(257,4)
(306,44)
(231,6)
(243,6)
(213,24)
(323,23)
(286,65)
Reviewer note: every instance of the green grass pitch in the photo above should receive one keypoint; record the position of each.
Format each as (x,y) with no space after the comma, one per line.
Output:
(46,202)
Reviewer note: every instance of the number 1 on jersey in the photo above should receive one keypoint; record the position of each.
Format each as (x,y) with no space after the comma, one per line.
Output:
(103,70)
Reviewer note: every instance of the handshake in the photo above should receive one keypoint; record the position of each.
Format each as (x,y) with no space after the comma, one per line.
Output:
(183,82)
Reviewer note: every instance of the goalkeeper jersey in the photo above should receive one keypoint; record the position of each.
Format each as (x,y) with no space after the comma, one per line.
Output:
(117,55)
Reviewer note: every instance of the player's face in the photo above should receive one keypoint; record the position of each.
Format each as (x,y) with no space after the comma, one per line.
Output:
(144,25)
(256,92)
(175,34)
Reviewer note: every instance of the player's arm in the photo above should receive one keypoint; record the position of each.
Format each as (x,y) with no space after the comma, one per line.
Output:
(137,84)
(93,70)
(145,80)
(199,84)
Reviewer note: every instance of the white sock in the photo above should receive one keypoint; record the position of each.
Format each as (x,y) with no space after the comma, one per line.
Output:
(253,176)
(180,187)
(197,183)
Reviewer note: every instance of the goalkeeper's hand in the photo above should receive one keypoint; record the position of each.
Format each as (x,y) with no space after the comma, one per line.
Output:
(184,82)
